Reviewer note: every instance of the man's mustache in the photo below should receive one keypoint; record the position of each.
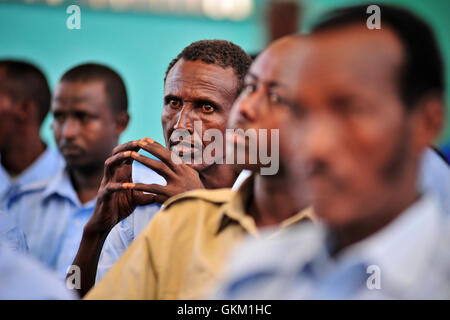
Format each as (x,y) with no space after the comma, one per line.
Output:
(322,170)
(70,146)
(188,140)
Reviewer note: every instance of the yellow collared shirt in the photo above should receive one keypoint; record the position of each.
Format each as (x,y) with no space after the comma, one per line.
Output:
(181,252)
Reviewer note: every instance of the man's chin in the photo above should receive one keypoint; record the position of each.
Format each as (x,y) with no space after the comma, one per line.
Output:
(75,162)
(335,214)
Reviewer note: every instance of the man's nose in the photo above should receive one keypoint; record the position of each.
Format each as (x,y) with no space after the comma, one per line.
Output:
(184,119)
(249,107)
(70,129)
(320,138)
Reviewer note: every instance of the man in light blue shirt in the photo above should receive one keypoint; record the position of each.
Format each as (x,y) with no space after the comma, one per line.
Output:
(24,104)
(90,112)
(23,278)
(380,237)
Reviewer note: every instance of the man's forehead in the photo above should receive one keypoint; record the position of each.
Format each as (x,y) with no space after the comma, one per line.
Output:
(355,44)
(85,96)
(80,87)
(198,75)
(276,61)
(353,53)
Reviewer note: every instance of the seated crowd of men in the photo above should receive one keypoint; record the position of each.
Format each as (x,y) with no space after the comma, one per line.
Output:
(358,185)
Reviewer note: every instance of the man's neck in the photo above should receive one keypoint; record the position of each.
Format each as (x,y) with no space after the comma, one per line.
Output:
(275,199)
(21,154)
(218,176)
(86,182)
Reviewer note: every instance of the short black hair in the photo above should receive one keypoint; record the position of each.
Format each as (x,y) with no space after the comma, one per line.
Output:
(23,80)
(422,71)
(220,52)
(114,85)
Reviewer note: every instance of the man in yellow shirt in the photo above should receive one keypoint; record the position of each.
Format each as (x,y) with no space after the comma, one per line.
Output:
(181,253)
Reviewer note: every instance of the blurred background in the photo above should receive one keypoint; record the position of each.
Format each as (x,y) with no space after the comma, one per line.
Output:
(138,38)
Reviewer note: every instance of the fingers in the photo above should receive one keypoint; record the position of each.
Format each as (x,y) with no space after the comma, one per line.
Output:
(113,187)
(158,192)
(159,151)
(160,167)
(112,162)
(128,146)
(143,199)
(152,188)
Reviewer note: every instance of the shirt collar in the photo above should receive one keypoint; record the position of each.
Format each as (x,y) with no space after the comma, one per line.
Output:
(34,172)
(4,179)
(234,211)
(402,248)
(61,185)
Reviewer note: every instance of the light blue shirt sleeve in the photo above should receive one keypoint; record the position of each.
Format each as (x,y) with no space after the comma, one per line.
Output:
(11,235)
(22,278)
(124,233)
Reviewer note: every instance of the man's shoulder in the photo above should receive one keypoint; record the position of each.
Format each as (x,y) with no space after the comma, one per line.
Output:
(29,194)
(291,246)
(184,211)
(216,197)
(261,265)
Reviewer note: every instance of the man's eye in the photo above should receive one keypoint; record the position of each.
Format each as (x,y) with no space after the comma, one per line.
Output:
(174,103)
(346,106)
(249,88)
(207,108)
(274,98)
(85,118)
(59,117)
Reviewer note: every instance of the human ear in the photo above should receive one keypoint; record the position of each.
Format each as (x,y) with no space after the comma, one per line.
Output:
(121,119)
(428,120)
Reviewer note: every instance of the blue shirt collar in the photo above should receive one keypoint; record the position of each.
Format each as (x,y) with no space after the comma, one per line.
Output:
(34,173)
(401,256)
(61,186)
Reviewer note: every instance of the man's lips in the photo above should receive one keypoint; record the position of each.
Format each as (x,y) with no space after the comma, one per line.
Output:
(325,184)
(71,150)
(184,147)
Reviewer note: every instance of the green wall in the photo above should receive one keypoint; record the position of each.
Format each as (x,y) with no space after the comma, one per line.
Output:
(140,46)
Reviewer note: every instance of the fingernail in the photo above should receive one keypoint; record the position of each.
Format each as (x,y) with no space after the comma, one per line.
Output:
(128,185)
(149,140)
